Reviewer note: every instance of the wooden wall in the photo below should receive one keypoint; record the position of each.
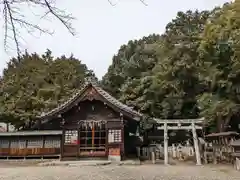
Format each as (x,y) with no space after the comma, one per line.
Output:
(90,110)
(87,110)
(26,146)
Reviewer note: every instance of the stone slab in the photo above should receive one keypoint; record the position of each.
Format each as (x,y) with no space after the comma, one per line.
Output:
(88,163)
(75,163)
(113,158)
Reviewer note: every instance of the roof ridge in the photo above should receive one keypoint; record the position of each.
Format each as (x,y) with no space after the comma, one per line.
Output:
(109,96)
(101,91)
(60,105)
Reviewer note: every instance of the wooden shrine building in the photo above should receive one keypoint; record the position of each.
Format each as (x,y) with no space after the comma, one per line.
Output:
(90,124)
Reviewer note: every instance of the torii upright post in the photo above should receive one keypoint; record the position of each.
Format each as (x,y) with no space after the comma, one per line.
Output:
(165,144)
(196,147)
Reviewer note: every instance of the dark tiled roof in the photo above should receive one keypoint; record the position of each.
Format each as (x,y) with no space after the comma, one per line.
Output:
(229,133)
(30,133)
(116,102)
(110,99)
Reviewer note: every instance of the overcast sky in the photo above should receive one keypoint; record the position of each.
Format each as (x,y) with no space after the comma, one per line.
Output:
(102,28)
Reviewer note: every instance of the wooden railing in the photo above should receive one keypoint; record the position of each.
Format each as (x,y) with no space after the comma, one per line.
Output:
(8,152)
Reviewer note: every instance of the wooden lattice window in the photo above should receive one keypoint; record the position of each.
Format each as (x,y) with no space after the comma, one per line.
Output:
(22,143)
(114,136)
(18,143)
(93,137)
(52,142)
(71,136)
(4,143)
(35,142)
(14,144)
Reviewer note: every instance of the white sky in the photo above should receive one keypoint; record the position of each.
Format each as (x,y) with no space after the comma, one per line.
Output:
(102,28)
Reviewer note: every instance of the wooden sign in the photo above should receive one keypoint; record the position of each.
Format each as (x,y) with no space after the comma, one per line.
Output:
(71,137)
(74,140)
(114,136)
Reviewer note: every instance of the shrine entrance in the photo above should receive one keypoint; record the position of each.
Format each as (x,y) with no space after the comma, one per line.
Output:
(87,139)
(93,124)
(92,138)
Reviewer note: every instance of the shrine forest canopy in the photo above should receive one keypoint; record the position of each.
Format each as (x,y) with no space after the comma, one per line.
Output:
(191,70)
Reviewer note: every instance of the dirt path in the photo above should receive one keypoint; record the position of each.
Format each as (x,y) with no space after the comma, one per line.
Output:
(114,172)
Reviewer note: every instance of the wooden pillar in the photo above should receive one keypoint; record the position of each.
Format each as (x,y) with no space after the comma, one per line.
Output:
(123,138)
(62,144)
(196,147)
(93,134)
(165,144)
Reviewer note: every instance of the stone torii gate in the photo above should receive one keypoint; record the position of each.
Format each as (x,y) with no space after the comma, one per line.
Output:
(180,124)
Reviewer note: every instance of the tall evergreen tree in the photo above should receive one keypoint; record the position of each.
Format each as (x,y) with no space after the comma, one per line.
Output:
(131,62)
(220,61)
(32,84)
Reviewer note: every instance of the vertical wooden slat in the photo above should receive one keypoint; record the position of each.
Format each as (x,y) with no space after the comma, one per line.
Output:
(106,141)
(79,141)
(62,144)
(43,138)
(122,142)
(93,134)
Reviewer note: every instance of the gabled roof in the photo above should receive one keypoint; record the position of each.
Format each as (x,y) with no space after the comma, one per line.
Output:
(108,99)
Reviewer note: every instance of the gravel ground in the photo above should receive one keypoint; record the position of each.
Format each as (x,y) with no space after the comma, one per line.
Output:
(114,172)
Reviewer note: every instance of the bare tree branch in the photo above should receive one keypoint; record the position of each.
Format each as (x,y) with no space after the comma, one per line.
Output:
(27,24)
(8,12)
(63,18)
(110,2)
(142,1)
(14,19)
(5,15)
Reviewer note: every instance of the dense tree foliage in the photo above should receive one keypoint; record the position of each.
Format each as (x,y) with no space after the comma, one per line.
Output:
(189,71)
(220,65)
(132,62)
(170,85)
(194,72)
(34,83)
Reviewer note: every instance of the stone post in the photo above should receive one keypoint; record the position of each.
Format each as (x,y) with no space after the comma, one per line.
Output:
(174,151)
(196,147)
(165,144)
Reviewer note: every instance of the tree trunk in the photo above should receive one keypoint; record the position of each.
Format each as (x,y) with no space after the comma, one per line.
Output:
(227,121)
(220,124)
